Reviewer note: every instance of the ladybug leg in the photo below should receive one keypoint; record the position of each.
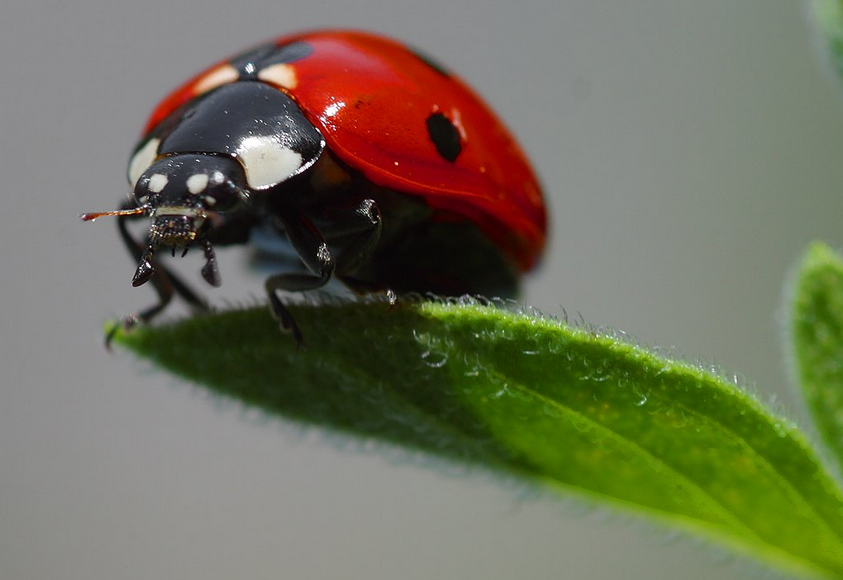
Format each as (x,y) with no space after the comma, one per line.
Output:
(368,225)
(162,280)
(360,247)
(314,253)
(363,224)
(359,228)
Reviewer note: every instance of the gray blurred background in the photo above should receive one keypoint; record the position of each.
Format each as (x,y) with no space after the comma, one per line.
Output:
(690,151)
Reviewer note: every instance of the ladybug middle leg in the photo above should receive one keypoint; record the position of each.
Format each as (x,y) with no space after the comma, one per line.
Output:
(365,226)
(360,226)
(314,253)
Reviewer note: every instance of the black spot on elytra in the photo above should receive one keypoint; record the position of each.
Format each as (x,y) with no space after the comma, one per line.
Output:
(430,62)
(249,63)
(445,136)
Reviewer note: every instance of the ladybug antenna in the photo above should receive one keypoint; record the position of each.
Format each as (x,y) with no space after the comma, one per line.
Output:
(89,217)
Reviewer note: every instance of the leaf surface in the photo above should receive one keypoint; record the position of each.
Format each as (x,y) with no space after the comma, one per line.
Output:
(586,413)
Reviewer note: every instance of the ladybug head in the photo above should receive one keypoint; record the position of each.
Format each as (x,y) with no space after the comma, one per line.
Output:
(184,195)
(182,192)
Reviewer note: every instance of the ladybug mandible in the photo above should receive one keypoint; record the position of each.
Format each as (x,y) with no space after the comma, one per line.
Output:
(379,167)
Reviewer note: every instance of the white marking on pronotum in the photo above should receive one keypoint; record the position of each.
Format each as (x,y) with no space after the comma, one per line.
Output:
(143,159)
(280,74)
(197,182)
(221,75)
(267,161)
(157,182)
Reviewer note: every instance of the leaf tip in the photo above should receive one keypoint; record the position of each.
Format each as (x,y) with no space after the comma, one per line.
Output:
(820,254)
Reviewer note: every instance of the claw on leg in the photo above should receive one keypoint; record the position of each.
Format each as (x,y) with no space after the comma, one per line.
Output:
(284,318)
(126,323)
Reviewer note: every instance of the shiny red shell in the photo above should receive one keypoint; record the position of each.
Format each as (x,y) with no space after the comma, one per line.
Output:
(371,96)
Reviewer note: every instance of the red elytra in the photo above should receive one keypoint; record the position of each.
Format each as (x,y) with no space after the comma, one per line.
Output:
(371,96)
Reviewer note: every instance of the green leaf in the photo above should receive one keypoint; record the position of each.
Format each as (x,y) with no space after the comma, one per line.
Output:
(817,335)
(580,411)
(828,14)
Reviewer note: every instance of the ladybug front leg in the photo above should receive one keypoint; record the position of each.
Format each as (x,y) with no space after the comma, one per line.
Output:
(164,281)
(314,253)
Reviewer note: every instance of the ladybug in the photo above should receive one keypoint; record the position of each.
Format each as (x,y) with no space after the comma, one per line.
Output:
(377,165)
